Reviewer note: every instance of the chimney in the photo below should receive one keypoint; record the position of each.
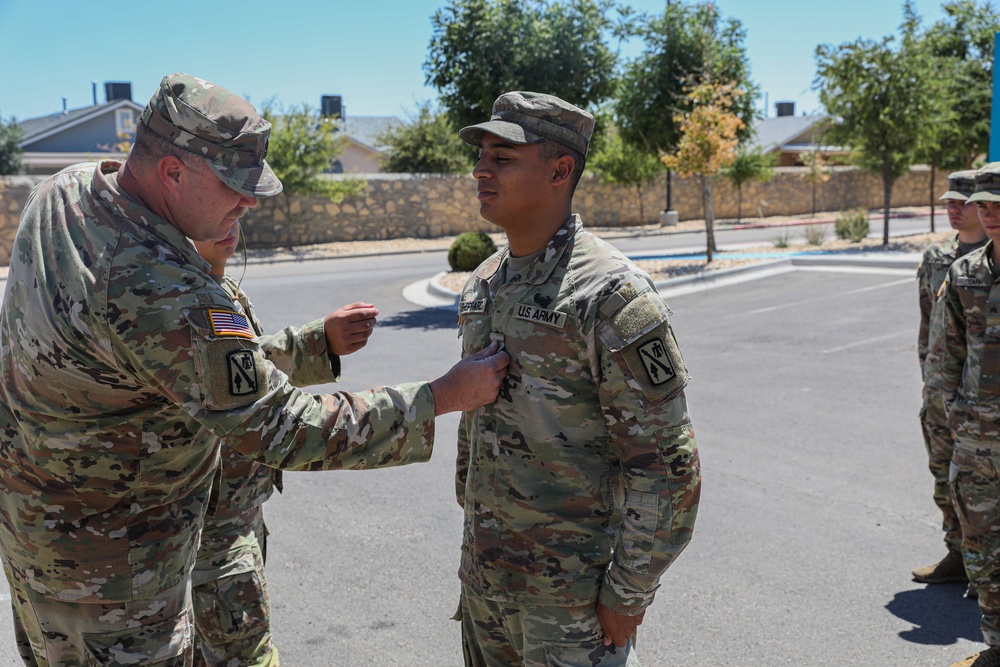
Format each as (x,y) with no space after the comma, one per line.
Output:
(64,106)
(93,88)
(785,108)
(117,90)
(331,106)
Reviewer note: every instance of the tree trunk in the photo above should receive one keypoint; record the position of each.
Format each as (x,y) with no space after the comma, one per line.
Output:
(814,200)
(708,205)
(886,200)
(642,214)
(933,173)
(739,203)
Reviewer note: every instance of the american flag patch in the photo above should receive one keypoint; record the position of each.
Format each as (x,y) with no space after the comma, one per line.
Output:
(228,323)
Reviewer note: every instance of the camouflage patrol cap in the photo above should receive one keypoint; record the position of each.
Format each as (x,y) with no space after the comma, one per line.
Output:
(210,121)
(987,184)
(961,184)
(523,117)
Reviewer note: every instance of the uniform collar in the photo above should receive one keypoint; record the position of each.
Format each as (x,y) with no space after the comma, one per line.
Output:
(979,265)
(109,193)
(539,270)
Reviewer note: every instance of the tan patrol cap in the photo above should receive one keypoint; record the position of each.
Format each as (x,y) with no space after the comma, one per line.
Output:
(523,117)
(223,128)
(987,184)
(961,185)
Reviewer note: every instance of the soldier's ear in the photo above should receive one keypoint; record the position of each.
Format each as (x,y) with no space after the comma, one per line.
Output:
(562,171)
(170,171)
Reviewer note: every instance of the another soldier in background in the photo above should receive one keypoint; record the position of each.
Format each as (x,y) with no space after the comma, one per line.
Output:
(964,363)
(232,612)
(580,484)
(124,365)
(937,259)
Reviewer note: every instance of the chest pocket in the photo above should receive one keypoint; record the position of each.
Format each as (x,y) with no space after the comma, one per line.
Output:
(229,363)
(636,330)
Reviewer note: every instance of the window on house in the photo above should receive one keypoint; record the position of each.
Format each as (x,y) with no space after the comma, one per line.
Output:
(124,122)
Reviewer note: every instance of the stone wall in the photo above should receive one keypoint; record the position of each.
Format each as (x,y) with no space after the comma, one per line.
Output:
(430,206)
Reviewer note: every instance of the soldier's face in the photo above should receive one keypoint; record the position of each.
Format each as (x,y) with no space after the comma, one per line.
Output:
(962,216)
(511,179)
(989,215)
(207,209)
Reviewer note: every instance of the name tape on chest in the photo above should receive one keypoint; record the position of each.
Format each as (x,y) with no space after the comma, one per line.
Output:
(969,281)
(552,318)
(228,323)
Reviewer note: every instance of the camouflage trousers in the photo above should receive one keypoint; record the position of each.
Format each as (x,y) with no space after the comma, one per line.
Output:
(975,474)
(499,634)
(52,633)
(940,446)
(232,611)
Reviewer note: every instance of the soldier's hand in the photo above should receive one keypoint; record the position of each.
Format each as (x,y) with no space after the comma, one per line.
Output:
(618,629)
(348,328)
(472,382)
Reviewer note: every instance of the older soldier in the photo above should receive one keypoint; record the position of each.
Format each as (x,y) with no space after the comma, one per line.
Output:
(123,365)
(937,259)
(232,612)
(580,485)
(965,367)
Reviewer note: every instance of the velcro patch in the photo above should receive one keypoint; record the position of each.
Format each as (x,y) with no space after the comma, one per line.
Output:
(228,323)
(654,357)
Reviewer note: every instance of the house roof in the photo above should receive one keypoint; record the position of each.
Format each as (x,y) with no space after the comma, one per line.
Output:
(366,129)
(39,128)
(776,133)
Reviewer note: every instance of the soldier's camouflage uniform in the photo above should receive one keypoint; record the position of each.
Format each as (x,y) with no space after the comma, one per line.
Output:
(581,482)
(933,270)
(124,367)
(964,365)
(229,589)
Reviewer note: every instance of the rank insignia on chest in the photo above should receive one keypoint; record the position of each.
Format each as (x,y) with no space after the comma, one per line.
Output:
(552,318)
(242,372)
(657,362)
(228,323)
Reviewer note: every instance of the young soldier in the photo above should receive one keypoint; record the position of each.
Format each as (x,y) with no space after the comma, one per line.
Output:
(937,259)
(965,366)
(232,612)
(580,485)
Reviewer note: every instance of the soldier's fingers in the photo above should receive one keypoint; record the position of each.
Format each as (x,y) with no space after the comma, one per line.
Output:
(360,314)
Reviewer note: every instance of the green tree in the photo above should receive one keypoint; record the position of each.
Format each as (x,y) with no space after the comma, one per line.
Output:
(882,97)
(624,164)
(708,143)
(483,48)
(10,148)
(816,172)
(963,41)
(427,144)
(685,46)
(749,165)
(303,145)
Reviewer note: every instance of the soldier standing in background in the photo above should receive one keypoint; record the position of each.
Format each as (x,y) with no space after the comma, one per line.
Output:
(964,365)
(937,259)
(123,367)
(232,611)
(580,484)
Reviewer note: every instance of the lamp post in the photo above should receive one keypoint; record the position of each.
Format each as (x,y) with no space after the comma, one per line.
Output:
(669,216)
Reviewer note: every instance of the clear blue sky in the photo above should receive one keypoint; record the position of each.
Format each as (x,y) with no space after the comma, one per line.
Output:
(369,51)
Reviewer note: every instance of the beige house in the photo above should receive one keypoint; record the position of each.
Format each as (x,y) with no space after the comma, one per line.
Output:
(788,136)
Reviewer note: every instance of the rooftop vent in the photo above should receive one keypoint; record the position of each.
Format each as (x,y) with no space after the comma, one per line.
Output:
(117,90)
(332,106)
(785,108)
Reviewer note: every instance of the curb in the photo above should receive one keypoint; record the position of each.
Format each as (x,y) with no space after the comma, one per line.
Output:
(442,297)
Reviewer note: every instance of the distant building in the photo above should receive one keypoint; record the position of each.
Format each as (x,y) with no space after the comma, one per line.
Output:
(56,141)
(788,136)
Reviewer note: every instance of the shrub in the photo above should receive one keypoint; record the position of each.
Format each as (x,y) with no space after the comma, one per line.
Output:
(780,240)
(814,234)
(469,250)
(852,225)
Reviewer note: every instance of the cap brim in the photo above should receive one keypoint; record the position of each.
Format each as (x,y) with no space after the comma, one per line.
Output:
(953,195)
(257,181)
(985,195)
(515,134)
